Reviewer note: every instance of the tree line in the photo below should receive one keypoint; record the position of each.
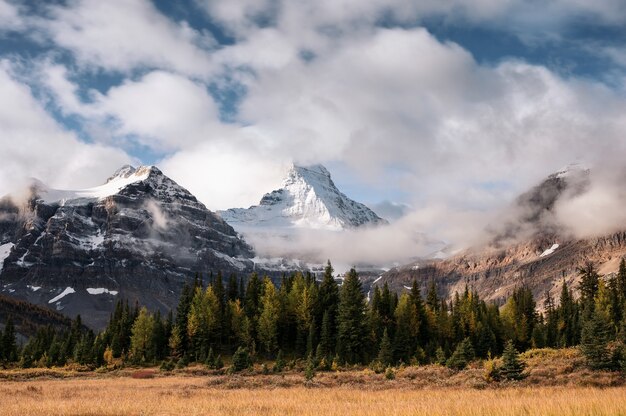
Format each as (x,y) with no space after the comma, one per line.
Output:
(332,325)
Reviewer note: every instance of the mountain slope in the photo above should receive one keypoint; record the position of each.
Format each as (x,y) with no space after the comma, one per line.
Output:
(139,237)
(531,248)
(308,198)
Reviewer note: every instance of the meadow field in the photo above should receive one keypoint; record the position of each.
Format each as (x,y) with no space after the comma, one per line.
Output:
(556,383)
(194,396)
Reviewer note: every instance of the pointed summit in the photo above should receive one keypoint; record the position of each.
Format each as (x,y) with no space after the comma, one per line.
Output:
(308,198)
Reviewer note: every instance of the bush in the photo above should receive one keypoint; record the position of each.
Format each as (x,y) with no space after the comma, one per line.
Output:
(390,374)
(492,371)
(167,365)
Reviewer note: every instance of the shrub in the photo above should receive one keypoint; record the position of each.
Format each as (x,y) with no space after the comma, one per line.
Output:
(167,365)
(390,374)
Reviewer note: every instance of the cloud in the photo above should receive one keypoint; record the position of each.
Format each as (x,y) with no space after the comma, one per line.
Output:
(10,19)
(124,35)
(34,144)
(323,82)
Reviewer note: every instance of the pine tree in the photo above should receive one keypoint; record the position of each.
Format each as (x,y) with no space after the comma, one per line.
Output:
(351,336)
(326,344)
(594,340)
(621,281)
(432,300)
(203,324)
(241,360)
(328,301)
(239,324)
(268,320)
(406,329)
(512,367)
(589,279)
(462,355)
(385,353)
(9,342)
(141,339)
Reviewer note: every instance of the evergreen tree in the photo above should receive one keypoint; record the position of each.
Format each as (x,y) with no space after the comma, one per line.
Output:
(241,360)
(385,353)
(182,315)
(462,355)
(268,320)
(432,300)
(589,279)
(351,336)
(8,348)
(142,337)
(512,367)
(326,344)
(203,324)
(621,281)
(406,330)
(594,340)
(239,324)
(328,301)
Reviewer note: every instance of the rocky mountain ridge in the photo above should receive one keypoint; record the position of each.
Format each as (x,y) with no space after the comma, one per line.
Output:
(139,237)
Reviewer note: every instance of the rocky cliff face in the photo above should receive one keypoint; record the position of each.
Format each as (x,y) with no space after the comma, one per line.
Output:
(138,237)
(530,248)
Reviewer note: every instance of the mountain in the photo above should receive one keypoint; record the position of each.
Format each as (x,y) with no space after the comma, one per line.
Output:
(542,256)
(309,199)
(139,236)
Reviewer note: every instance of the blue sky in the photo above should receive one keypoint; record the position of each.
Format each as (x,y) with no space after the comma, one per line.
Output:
(461,104)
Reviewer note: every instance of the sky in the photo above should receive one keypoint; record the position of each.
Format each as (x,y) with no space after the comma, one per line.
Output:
(435,108)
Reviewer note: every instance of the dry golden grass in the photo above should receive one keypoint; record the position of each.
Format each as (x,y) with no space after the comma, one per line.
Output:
(194,396)
(557,383)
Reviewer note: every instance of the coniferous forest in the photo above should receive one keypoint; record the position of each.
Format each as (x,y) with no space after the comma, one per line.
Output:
(242,320)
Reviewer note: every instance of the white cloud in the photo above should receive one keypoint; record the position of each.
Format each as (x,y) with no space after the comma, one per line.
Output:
(10,19)
(122,35)
(35,145)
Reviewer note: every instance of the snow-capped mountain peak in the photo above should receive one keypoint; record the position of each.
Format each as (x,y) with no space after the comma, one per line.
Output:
(308,198)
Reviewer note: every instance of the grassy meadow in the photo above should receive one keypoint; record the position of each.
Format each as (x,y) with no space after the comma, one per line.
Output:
(557,383)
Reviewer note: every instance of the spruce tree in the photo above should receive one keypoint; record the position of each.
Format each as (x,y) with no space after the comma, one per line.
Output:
(241,360)
(512,367)
(462,355)
(9,342)
(594,340)
(141,339)
(385,353)
(351,337)
(406,331)
(589,279)
(268,320)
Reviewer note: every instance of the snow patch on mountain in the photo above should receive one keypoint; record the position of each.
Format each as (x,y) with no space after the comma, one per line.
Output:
(68,291)
(549,251)
(100,291)
(5,250)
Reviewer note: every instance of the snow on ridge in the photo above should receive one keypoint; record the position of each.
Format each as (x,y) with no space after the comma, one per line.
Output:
(100,291)
(68,290)
(377,279)
(114,184)
(5,250)
(33,288)
(549,251)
